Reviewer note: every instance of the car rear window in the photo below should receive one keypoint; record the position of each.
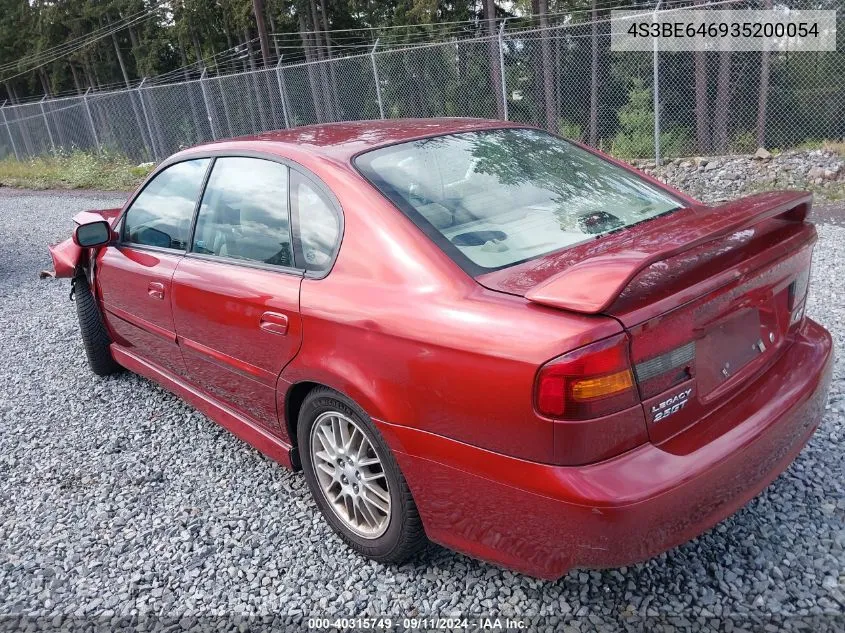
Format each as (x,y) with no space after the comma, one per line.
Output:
(495,198)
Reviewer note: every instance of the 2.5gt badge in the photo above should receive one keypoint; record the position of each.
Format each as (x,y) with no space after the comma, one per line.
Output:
(670,406)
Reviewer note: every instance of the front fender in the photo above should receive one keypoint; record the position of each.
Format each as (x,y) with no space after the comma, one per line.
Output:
(67,257)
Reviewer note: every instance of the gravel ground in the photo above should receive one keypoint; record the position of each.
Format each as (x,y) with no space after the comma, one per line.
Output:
(118,499)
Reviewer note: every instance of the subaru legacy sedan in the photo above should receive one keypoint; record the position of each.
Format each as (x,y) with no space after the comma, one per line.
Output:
(470,332)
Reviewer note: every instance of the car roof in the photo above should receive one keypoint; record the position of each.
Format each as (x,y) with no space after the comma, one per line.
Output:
(345,140)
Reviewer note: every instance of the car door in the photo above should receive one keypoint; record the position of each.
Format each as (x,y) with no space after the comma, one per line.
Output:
(236,292)
(134,276)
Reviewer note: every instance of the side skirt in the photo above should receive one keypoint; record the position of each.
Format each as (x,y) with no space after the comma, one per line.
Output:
(234,422)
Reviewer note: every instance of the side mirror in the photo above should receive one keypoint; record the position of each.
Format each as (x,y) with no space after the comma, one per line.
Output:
(92,234)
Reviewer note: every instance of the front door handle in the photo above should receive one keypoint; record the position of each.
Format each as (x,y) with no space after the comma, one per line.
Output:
(274,323)
(156,290)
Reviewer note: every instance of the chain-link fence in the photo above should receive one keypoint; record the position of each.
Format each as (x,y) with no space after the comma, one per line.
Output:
(562,77)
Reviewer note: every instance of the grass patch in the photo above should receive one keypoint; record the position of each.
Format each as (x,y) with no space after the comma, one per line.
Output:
(835,146)
(76,170)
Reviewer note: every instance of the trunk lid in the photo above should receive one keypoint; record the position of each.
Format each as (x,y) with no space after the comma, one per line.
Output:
(709,296)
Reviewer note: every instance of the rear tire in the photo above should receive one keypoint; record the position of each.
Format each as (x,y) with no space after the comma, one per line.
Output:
(95,337)
(384,523)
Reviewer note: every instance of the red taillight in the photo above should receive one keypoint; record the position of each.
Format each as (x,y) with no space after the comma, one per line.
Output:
(590,382)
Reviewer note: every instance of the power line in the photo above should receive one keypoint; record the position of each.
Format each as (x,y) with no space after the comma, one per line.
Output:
(239,51)
(64,45)
(344,42)
(82,45)
(605,5)
(455,27)
(645,13)
(292,41)
(434,27)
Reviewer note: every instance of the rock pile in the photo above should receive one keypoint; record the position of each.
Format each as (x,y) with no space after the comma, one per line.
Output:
(718,178)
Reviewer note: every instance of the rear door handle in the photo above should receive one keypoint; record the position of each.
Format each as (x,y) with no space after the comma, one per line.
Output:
(155,290)
(274,323)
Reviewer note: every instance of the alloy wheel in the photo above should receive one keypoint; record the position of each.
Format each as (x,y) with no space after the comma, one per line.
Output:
(350,474)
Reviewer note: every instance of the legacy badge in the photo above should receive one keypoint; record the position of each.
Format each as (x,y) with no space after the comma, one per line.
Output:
(671,405)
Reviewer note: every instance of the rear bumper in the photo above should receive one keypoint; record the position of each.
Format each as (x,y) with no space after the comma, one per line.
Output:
(543,520)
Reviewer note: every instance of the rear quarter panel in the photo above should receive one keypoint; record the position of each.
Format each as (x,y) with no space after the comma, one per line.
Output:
(400,329)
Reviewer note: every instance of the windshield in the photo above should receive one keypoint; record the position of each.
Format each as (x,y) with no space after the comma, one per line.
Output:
(495,198)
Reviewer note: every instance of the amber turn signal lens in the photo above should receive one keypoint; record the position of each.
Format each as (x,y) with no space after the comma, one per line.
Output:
(592,388)
(590,382)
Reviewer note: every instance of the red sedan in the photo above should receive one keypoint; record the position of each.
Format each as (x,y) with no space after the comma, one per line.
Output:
(468,331)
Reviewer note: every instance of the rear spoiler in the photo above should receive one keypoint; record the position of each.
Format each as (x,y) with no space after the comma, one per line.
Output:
(591,286)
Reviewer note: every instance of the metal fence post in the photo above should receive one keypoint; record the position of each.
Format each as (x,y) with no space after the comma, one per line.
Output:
(502,68)
(282,95)
(91,122)
(195,115)
(225,107)
(375,76)
(57,123)
(147,119)
(207,105)
(656,94)
(47,123)
(9,130)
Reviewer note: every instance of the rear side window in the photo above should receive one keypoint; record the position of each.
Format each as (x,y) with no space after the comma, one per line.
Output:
(161,214)
(319,227)
(244,212)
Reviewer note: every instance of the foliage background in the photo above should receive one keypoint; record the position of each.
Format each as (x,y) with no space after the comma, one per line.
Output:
(560,74)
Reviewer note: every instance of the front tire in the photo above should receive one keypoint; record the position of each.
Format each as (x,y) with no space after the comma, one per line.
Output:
(95,337)
(355,479)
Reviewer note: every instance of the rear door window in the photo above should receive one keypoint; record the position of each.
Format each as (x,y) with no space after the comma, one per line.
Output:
(244,212)
(161,214)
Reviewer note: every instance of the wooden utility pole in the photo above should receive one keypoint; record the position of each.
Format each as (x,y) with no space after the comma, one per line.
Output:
(261,26)
(119,55)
